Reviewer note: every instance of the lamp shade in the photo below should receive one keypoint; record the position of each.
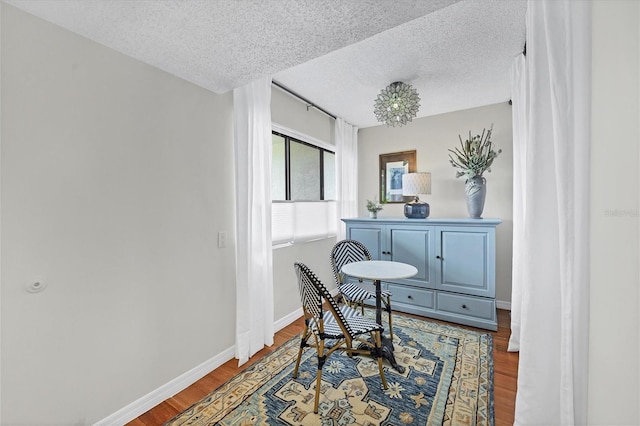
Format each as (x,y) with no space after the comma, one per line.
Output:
(416,183)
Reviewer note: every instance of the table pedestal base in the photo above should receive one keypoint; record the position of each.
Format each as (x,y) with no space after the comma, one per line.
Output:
(387,353)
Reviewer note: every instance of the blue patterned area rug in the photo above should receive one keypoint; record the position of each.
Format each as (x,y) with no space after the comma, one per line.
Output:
(448,380)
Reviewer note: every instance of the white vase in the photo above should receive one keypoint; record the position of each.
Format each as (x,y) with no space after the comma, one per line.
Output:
(373,215)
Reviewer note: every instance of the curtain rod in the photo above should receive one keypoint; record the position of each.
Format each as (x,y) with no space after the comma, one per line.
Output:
(309,103)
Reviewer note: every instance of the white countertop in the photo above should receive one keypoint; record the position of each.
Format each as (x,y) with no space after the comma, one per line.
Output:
(379,270)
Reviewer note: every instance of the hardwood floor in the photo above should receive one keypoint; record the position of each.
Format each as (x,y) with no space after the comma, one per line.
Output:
(505,371)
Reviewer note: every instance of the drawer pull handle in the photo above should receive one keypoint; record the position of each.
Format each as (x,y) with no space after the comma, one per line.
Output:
(410,297)
(464,306)
(439,257)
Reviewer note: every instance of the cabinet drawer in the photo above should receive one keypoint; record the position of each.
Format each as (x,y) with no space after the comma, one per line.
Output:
(467,305)
(411,296)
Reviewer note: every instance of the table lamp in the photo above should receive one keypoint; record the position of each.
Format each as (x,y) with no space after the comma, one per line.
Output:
(414,184)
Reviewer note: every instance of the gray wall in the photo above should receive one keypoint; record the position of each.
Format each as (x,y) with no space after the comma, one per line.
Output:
(614,388)
(116,178)
(431,137)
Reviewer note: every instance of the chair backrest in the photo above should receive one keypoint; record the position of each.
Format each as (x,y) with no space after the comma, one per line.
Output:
(347,251)
(313,294)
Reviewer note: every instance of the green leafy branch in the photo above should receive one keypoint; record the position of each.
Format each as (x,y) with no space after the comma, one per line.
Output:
(373,206)
(475,155)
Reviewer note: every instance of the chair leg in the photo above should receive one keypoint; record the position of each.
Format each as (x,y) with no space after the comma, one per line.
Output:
(379,354)
(303,344)
(321,360)
(318,384)
(347,302)
(349,344)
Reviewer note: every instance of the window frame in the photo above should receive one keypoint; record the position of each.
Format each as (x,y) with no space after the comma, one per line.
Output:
(291,135)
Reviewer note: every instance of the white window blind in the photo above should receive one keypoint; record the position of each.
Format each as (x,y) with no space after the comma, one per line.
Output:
(282,223)
(301,221)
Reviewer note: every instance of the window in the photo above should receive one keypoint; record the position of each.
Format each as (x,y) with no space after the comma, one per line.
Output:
(303,189)
(301,170)
(329,175)
(278,169)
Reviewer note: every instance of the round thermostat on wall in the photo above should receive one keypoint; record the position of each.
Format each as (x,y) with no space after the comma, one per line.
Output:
(36,285)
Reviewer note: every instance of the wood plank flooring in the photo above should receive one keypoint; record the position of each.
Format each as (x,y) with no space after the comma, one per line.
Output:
(505,370)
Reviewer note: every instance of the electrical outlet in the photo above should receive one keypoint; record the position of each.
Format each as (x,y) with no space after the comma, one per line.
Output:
(222,239)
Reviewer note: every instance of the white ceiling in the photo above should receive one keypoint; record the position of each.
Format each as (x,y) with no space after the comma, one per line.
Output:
(338,54)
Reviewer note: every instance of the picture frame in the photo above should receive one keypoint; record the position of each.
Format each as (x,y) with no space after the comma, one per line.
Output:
(392,167)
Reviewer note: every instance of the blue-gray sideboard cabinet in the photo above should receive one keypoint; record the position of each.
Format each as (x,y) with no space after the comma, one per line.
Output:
(456,261)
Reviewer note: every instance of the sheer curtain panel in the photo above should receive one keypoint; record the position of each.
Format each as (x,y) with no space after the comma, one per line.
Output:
(346,139)
(254,265)
(552,215)
(519,84)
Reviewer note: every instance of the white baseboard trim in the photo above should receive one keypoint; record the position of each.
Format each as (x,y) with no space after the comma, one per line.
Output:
(166,391)
(501,304)
(288,319)
(147,402)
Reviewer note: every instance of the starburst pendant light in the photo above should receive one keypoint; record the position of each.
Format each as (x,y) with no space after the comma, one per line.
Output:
(397,104)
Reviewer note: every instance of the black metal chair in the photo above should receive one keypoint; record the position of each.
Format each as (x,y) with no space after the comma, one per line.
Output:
(356,293)
(341,325)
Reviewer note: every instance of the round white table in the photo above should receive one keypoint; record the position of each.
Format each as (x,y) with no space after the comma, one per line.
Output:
(381,270)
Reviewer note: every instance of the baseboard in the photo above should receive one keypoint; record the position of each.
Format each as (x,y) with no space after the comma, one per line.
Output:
(501,304)
(147,402)
(166,391)
(288,319)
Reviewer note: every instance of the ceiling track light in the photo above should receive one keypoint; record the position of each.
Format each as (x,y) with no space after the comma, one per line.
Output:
(397,104)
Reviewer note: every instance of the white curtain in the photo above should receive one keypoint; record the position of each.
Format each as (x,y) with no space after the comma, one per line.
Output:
(346,140)
(254,265)
(551,282)
(519,82)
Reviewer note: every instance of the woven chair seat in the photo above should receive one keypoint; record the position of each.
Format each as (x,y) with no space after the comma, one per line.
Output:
(358,323)
(357,292)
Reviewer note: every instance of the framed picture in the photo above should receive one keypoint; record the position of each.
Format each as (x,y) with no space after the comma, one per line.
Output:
(392,167)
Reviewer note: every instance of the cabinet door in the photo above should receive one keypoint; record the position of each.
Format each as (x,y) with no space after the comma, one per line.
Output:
(413,245)
(467,260)
(372,236)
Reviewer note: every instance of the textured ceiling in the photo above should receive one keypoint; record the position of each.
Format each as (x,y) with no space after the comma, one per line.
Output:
(338,54)
(458,57)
